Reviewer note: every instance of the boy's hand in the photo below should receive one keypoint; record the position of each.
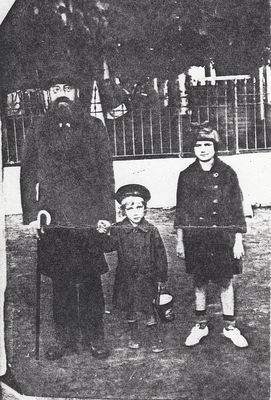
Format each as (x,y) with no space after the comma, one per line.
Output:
(103,226)
(180,249)
(161,285)
(238,248)
(34,228)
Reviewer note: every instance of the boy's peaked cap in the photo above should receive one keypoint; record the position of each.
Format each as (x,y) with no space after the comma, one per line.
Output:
(132,190)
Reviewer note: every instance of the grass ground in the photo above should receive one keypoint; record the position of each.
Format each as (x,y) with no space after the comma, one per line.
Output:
(213,370)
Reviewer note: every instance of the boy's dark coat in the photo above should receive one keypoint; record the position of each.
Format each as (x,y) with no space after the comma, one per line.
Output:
(142,262)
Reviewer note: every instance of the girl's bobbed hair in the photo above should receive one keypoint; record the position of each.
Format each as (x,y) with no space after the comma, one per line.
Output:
(205,132)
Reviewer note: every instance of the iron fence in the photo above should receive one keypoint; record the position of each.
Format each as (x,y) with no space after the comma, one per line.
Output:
(236,107)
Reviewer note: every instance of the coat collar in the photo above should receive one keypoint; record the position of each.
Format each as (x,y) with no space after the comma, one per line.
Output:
(215,166)
(143,226)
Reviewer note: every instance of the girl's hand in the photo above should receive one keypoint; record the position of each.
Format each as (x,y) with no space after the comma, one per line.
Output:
(238,248)
(103,226)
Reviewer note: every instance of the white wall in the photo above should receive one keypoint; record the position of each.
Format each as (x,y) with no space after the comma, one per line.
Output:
(161,175)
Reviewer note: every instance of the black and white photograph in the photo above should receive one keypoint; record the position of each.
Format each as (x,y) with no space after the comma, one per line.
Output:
(135,199)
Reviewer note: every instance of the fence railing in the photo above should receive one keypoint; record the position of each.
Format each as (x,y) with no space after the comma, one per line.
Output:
(235,107)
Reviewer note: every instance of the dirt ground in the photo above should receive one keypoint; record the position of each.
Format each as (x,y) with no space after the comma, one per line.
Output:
(213,370)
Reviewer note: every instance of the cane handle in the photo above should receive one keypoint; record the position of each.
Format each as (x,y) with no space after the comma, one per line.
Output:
(47,217)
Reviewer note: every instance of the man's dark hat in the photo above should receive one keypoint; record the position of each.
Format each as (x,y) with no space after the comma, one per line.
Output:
(60,72)
(132,190)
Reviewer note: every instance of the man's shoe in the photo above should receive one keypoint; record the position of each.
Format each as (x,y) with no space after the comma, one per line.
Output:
(55,352)
(197,333)
(133,344)
(235,336)
(101,352)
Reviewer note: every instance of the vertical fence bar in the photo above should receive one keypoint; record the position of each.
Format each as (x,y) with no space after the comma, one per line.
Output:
(246,111)
(133,136)
(160,131)
(264,132)
(217,105)
(115,136)
(151,130)
(180,132)
(226,114)
(23,109)
(15,137)
(236,117)
(169,130)
(5,135)
(255,114)
(124,137)
(207,102)
(142,131)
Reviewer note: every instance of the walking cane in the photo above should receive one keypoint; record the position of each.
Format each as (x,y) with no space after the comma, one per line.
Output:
(41,214)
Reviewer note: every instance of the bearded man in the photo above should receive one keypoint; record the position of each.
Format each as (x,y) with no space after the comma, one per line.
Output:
(67,172)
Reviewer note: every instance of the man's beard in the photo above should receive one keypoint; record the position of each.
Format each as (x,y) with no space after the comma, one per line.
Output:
(62,120)
(62,110)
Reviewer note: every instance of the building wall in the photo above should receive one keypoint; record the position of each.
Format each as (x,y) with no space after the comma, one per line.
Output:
(161,175)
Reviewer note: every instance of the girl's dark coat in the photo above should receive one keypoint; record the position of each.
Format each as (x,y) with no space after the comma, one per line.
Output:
(210,211)
(142,262)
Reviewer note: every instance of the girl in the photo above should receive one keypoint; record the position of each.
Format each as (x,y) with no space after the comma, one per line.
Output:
(210,222)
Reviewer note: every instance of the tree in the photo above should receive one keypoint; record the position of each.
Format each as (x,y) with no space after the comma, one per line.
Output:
(139,39)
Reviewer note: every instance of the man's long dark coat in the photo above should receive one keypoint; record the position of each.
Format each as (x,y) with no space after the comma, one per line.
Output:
(67,170)
(74,172)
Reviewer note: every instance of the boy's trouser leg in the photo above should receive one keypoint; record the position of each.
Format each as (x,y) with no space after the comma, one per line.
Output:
(133,333)
(154,338)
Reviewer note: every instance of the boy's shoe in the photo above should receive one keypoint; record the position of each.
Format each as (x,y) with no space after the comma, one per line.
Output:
(197,333)
(151,321)
(235,336)
(55,352)
(158,347)
(133,344)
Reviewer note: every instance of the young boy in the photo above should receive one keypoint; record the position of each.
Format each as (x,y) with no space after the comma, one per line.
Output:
(142,262)
(210,222)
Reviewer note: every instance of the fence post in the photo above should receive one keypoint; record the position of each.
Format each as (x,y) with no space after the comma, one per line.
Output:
(236,117)
(3,265)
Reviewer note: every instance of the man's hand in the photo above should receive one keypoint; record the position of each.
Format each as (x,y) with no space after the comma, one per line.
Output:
(35,226)
(238,248)
(103,226)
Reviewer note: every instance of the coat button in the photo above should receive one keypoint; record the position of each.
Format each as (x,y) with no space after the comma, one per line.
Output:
(215,174)
(215,201)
